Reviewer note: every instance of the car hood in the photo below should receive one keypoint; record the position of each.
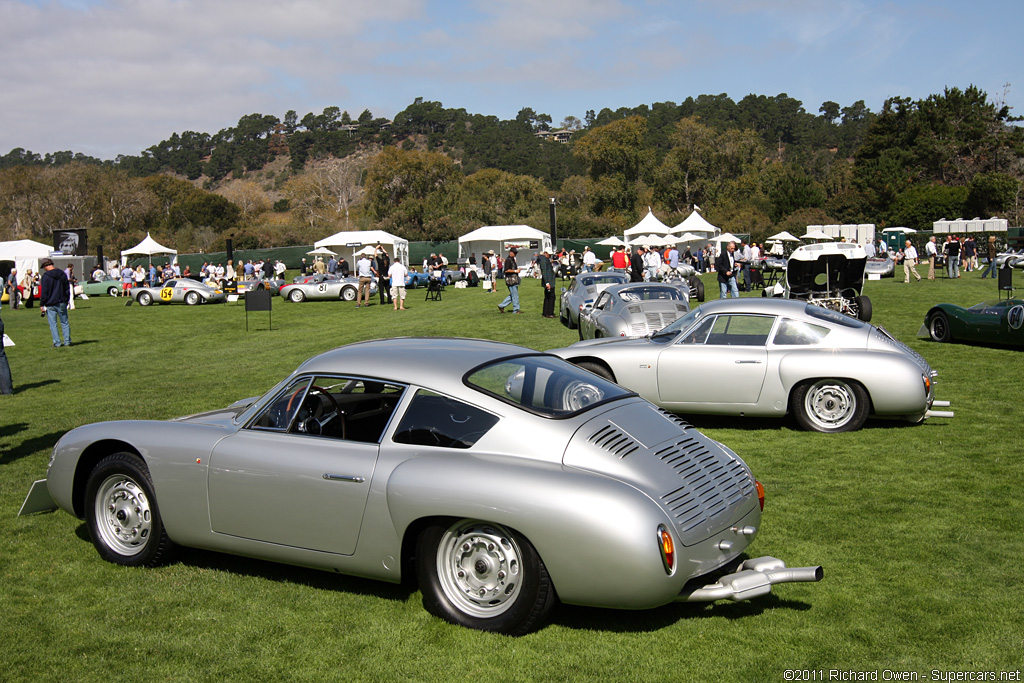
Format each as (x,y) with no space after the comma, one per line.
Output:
(621,342)
(702,486)
(223,417)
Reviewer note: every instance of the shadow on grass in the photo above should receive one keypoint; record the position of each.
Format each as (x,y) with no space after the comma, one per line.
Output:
(34,385)
(28,447)
(789,423)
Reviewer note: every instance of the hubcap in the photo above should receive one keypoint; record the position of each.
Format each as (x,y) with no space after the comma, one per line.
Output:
(123,516)
(830,404)
(479,568)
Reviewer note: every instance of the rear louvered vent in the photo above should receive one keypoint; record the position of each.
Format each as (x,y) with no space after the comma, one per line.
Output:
(614,441)
(675,418)
(711,484)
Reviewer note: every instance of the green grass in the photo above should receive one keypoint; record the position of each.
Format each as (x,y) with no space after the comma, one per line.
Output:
(918,527)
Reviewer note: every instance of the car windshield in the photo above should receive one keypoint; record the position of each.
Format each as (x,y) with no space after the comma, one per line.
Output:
(681,324)
(609,279)
(544,385)
(650,292)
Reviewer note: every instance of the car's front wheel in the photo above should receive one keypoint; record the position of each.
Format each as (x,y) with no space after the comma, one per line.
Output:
(597,369)
(122,514)
(192,298)
(483,576)
(348,293)
(831,405)
(938,327)
(113,291)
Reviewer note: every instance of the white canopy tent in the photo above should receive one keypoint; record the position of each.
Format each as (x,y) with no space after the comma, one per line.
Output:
(817,235)
(529,240)
(649,224)
(725,237)
(696,223)
(784,236)
(147,247)
(321,251)
(348,243)
(25,254)
(612,241)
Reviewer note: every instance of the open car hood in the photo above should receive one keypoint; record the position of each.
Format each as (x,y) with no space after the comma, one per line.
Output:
(824,268)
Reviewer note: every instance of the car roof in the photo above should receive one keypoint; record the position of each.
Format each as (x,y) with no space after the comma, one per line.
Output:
(438,362)
(762,305)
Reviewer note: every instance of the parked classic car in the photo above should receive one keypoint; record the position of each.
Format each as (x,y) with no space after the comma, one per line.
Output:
(633,309)
(182,290)
(240,287)
(829,274)
(325,288)
(610,502)
(108,286)
(583,289)
(990,322)
(770,357)
(882,266)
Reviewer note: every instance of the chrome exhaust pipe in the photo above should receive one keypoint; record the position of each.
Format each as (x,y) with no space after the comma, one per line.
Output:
(752,579)
(938,413)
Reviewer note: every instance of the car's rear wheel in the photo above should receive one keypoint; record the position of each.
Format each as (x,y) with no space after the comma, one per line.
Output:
(483,576)
(113,291)
(597,369)
(698,288)
(122,513)
(863,308)
(830,405)
(297,296)
(192,298)
(145,299)
(348,293)
(938,327)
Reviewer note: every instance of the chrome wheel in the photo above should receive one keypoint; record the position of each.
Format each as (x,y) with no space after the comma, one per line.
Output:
(831,405)
(296,296)
(578,395)
(479,568)
(124,520)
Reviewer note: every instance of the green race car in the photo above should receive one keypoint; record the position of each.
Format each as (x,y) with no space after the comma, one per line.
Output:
(990,322)
(107,285)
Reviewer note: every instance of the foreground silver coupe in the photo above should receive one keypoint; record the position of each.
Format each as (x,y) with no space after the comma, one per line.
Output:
(770,357)
(583,289)
(324,288)
(182,290)
(407,456)
(634,309)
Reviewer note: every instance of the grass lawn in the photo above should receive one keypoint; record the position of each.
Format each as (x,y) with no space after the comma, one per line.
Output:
(918,527)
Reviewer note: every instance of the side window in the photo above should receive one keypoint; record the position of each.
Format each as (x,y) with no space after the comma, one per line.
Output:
(741,330)
(602,301)
(279,413)
(700,332)
(435,420)
(798,333)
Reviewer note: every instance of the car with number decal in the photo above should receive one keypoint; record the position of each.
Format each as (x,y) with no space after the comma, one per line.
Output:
(240,287)
(324,287)
(998,322)
(768,358)
(181,290)
(404,459)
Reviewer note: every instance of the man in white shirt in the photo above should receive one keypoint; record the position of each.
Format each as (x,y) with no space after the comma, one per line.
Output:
(869,249)
(589,260)
(933,253)
(652,264)
(910,262)
(365,271)
(398,272)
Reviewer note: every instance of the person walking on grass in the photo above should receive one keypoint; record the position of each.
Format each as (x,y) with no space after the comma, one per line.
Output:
(511,269)
(54,296)
(398,272)
(910,262)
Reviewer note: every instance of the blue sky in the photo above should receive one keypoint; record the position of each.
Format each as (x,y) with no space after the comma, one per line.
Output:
(108,77)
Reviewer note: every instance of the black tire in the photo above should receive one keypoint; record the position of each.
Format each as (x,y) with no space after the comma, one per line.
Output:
(597,369)
(192,298)
(113,291)
(938,327)
(145,298)
(863,308)
(296,296)
(698,288)
(579,332)
(348,293)
(122,514)
(830,405)
(458,562)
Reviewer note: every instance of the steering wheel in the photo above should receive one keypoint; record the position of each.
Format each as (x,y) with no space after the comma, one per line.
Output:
(317,412)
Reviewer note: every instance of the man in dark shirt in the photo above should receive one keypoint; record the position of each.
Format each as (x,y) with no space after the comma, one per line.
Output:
(547,280)
(383,266)
(54,295)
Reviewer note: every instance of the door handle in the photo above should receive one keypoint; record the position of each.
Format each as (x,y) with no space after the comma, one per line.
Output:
(742,362)
(344,477)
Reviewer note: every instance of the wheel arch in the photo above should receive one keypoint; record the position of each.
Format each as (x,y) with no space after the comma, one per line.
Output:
(828,376)
(92,454)
(576,360)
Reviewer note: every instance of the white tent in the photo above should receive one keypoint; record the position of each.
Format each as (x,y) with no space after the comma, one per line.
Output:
(500,237)
(726,237)
(348,243)
(908,231)
(147,247)
(612,241)
(649,224)
(321,251)
(784,236)
(25,254)
(817,235)
(696,223)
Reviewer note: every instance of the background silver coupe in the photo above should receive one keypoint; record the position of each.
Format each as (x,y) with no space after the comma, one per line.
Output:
(324,288)
(182,290)
(583,289)
(502,478)
(634,309)
(770,357)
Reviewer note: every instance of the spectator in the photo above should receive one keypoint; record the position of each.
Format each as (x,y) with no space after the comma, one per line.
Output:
(991,267)
(54,296)
(6,384)
(952,251)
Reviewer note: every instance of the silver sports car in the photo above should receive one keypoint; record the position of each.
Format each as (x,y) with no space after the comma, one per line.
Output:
(407,456)
(770,357)
(325,288)
(183,290)
(634,309)
(583,289)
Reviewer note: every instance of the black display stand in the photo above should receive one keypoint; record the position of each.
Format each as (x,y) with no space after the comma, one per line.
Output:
(258,300)
(1005,281)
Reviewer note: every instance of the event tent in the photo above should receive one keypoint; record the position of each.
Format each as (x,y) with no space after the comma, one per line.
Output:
(649,224)
(696,223)
(25,254)
(501,237)
(147,247)
(348,243)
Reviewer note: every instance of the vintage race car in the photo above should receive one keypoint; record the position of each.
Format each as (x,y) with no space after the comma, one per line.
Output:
(179,291)
(108,286)
(583,289)
(404,457)
(998,322)
(882,266)
(770,357)
(325,288)
(240,287)
(634,309)
(829,274)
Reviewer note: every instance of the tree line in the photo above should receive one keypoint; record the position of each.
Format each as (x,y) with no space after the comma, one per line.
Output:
(433,173)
